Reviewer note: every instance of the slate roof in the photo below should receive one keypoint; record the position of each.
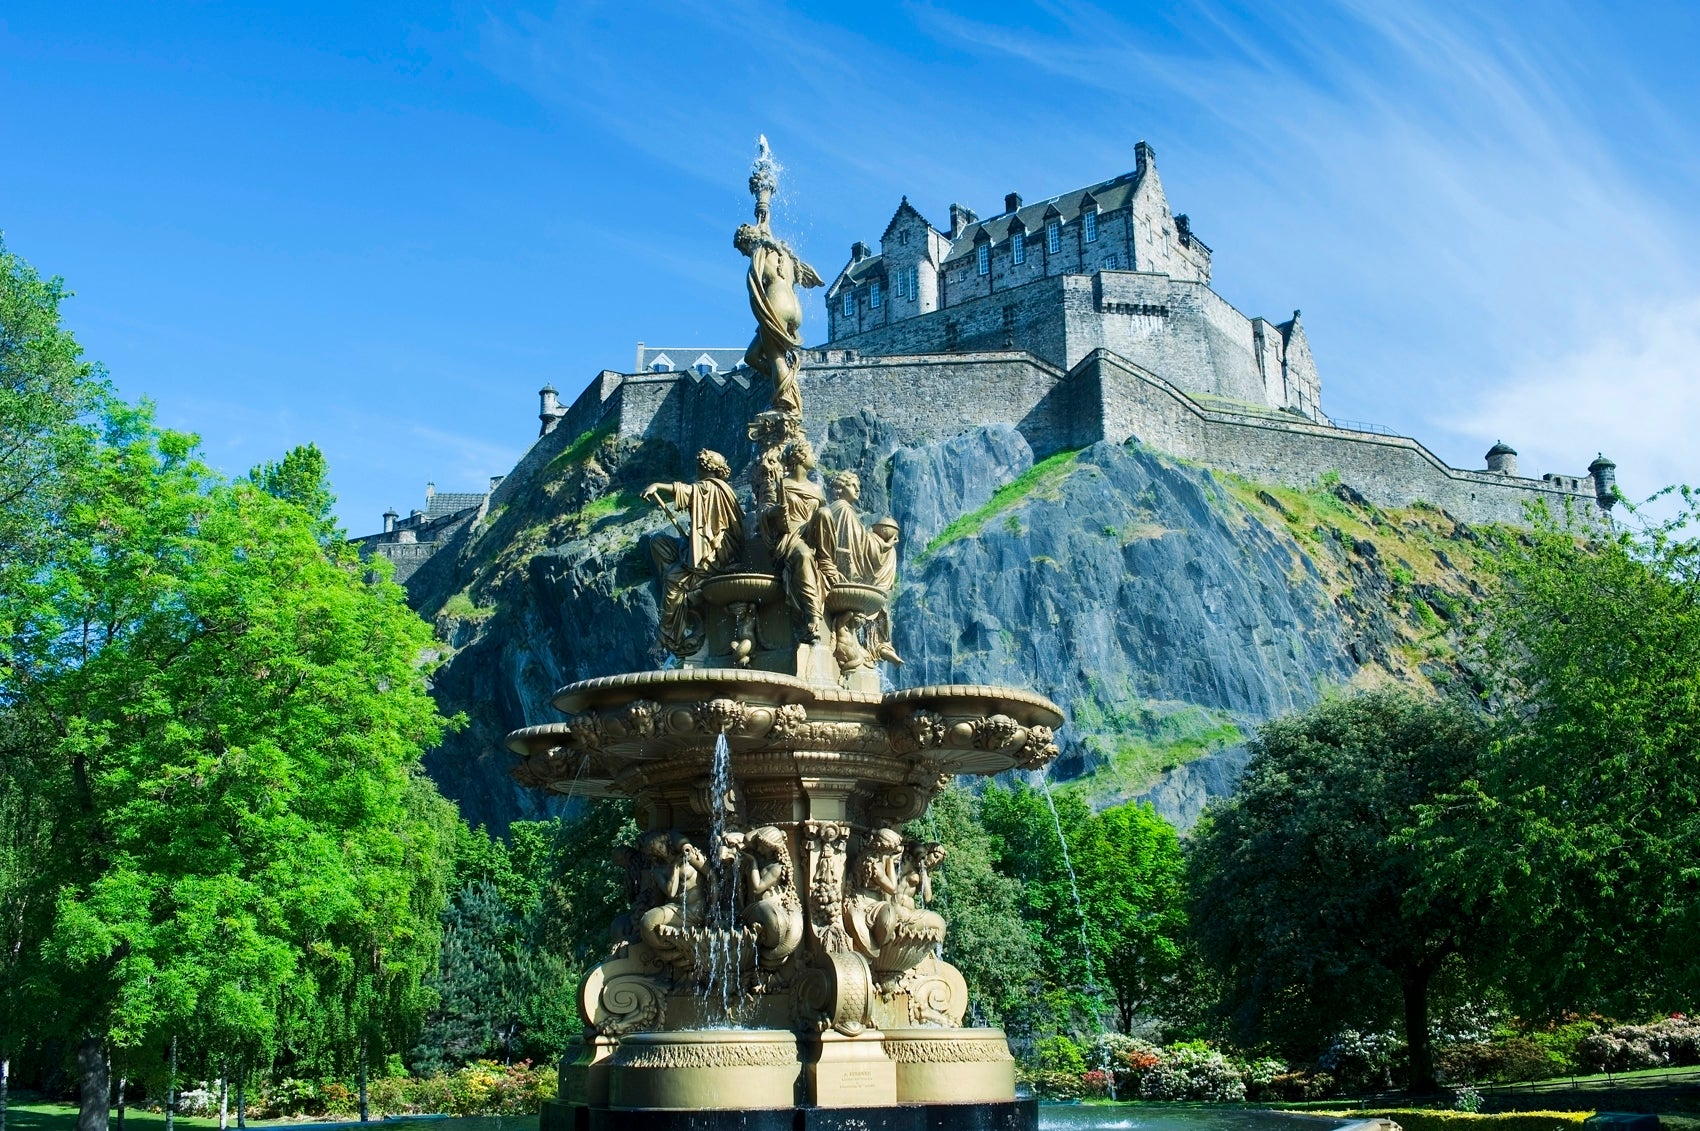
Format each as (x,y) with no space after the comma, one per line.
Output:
(859,272)
(725,359)
(1109,195)
(451,502)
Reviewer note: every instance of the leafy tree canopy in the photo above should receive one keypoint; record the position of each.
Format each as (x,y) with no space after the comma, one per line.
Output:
(1584,826)
(1309,898)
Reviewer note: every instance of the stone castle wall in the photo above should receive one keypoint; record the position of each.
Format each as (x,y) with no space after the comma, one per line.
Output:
(927,398)
(1180,329)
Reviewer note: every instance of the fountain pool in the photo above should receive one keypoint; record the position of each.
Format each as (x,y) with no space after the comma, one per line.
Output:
(1052,1117)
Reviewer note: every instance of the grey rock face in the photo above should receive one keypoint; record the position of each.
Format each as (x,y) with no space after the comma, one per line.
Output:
(1164,615)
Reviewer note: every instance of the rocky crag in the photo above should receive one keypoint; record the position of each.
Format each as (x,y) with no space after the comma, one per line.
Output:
(1169,608)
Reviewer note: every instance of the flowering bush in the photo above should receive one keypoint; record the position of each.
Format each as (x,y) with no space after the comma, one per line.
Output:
(1260,1076)
(1673,1041)
(1361,1062)
(1192,1071)
(1298,1086)
(483,1087)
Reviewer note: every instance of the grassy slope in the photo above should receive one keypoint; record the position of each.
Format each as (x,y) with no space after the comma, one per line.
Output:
(1425,564)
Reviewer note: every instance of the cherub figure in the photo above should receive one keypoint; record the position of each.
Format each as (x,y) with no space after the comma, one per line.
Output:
(774,276)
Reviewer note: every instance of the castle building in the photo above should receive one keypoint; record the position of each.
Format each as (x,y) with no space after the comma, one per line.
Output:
(1106,267)
(410,542)
(1083,318)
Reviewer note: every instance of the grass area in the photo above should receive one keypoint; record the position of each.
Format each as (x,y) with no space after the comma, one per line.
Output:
(1138,744)
(1439,1119)
(1042,476)
(579,449)
(63,1117)
(461,606)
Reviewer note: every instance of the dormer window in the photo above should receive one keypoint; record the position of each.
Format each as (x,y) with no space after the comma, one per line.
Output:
(849,302)
(983,258)
(1053,237)
(1089,219)
(874,293)
(1018,247)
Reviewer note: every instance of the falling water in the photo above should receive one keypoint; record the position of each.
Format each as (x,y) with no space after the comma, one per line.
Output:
(724,940)
(1080,917)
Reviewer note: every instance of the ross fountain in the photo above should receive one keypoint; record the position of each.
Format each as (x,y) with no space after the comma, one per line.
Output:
(779,965)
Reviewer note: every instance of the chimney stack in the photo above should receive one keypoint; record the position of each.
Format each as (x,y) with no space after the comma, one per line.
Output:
(960,218)
(859,251)
(1143,158)
(1011,201)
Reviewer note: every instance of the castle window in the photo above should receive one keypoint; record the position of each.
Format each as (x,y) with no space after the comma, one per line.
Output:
(849,302)
(1113,263)
(874,293)
(897,283)
(1090,219)
(983,258)
(914,282)
(1018,247)
(1053,237)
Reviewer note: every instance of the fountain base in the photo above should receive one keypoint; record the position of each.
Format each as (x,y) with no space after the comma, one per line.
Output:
(1010,1115)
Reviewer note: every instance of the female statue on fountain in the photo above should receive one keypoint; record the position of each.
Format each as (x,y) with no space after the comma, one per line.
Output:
(775,911)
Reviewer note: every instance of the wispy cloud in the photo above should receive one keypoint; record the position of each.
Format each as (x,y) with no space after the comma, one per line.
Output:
(1451,194)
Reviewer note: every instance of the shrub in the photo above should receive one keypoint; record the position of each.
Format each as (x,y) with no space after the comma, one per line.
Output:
(1360,1062)
(1260,1076)
(1192,1071)
(1300,1086)
(1060,1054)
(1625,1048)
(1426,1119)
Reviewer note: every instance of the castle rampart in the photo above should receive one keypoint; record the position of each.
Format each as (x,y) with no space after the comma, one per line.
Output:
(928,398)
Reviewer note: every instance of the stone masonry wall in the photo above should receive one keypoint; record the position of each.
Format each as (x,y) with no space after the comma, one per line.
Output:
(926,399)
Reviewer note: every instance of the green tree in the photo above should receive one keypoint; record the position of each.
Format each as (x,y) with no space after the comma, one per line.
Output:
(1033,836)
(224,719)
(1310,899)
(1132,879)
(988,940)
(1584,826)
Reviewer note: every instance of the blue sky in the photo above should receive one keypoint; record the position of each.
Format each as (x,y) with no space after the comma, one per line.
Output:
(383,226)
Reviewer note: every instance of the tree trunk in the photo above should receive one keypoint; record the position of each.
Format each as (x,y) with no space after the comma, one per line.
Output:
(1421,1080)
(94,1091)
(223,1096)
(241,1101)
(122,1080)
(5,1086)
(365,1111)
(171,1089)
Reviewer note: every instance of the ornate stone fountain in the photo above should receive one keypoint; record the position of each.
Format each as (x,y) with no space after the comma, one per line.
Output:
(779,962)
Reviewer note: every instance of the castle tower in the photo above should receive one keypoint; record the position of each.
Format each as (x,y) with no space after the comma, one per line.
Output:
(549,410)
(1604,472)
(1502,457)
(389,520)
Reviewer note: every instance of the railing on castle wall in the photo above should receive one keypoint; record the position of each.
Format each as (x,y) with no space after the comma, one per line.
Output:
(1363,426)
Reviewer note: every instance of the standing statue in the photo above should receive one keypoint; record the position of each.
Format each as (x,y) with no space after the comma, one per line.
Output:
(713,540)
(775,274)
(797,538)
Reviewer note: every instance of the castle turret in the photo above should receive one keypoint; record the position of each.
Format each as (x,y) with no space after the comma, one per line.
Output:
(549,410)
(1604,472)
(389,520)
(1502,457)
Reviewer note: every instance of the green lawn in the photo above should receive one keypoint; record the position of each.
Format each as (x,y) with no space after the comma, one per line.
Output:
(63,1117)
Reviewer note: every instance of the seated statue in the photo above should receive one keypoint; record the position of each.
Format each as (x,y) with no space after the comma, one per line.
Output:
(862,555)
(775,910)
(678,886)
(884,913)
(710,539)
